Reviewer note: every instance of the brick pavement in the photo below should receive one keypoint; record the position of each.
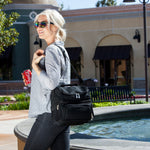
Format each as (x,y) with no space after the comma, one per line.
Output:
(8,120)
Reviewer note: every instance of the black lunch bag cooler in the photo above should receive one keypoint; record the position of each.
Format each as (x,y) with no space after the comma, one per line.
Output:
(71,105)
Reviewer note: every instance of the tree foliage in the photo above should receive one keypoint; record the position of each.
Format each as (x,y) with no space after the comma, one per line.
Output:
(104,3)
(61,7)
(8,34)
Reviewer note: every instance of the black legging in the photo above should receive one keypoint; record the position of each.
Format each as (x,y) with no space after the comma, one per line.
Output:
(47,133)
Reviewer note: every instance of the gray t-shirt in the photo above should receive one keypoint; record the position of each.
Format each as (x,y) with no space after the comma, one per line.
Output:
(57,71)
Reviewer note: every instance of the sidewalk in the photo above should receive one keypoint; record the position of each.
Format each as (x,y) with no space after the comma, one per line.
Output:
(8,120)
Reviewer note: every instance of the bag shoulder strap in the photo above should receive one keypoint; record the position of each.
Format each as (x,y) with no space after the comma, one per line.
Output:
(74,70)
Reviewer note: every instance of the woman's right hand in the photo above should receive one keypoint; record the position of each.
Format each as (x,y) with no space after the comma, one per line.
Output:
(38,55)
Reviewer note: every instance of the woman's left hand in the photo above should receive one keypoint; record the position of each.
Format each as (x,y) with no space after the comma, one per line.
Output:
(38,55)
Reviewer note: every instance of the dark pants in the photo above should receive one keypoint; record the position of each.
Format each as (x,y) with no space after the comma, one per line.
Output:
(47,133)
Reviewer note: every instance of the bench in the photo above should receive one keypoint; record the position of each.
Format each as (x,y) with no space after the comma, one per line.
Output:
(111,94)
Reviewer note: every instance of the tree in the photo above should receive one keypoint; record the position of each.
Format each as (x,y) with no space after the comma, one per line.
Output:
(8,34)
(61,7)
(104,3)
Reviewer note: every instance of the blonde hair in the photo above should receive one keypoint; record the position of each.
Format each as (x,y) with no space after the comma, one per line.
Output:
(57,19)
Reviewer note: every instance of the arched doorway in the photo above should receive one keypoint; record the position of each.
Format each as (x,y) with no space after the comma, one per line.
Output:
(75,54)
(114,61)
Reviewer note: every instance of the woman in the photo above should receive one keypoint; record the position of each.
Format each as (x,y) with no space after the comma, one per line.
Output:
(45,132)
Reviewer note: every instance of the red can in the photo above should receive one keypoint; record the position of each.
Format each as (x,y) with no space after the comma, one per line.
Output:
(27,74)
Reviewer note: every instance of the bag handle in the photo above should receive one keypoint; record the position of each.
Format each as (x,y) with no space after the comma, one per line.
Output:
(74,70)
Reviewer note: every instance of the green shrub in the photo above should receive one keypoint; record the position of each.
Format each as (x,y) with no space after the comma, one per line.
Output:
(104,104)
(19,106)
(4,107)
(16,106)
(5,99)
(22,97)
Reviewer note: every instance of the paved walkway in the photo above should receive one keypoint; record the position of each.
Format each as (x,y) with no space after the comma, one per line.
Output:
(8,120)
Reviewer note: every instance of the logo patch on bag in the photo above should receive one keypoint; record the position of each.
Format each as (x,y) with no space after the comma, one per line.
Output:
(77,95)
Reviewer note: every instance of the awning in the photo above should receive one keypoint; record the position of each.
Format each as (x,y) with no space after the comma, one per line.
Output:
(74,52)
(112,52)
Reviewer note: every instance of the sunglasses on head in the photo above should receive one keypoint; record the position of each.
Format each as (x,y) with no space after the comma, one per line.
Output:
(42,24)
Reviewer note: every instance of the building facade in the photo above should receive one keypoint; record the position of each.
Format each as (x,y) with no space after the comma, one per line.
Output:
(112,43)
(19,55)
(105,43)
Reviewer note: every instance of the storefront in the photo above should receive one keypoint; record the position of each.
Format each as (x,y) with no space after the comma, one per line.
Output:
(114,62)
